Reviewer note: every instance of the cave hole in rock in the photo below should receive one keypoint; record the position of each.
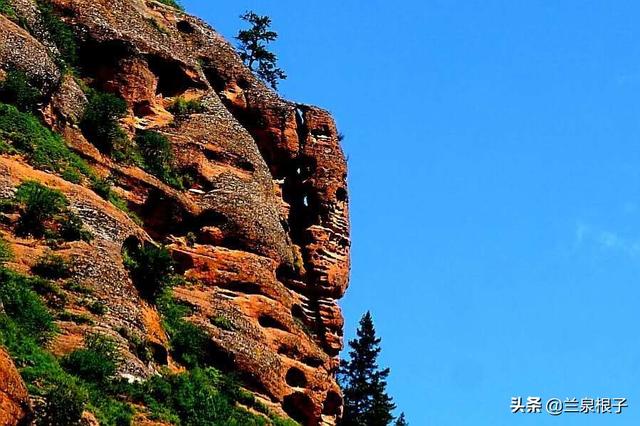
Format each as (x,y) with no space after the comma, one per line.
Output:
(299,407)
(341,194)
(322,132)
(163,214)
(332,404)
(159,353)
(193,179)
(173,80)
(99,60)
(296,378)
(243,83)
(216,80)
(312,361)
(211,218)
(298,312)
(288,351)
(244,287)
(285,272)
(267,321)
(331,351)
(253,383)
(343,242)
(226,158)
(185,27)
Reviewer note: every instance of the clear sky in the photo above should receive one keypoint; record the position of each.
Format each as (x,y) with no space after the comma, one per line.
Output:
(494,155)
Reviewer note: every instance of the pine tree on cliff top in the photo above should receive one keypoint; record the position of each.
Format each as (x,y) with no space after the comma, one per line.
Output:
(364,384)
(253,48)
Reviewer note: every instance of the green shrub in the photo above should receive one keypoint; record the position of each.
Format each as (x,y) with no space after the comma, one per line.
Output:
(17,90)
(223,323)
(61,34)
(51,266)
(6,9)
(97,307)
(181,106)
(72,229)
(197,397)
(43,148)
(96,362)
(189,343)
(77,287)
(44,213)
(110,412)
(41,204)
(151,268)
(172,3)
(100,123)
(24,306)
(73,317)
(6,254)
(66,401)
(157,157)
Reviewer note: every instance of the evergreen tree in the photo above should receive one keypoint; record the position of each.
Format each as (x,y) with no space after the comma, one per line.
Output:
(364,383)
(253,48)
(401,421)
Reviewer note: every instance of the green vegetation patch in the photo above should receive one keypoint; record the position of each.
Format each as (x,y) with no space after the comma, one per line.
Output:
(16,89)
(157,157)
(181,106)
(61,34)
(44,149)
(44,212)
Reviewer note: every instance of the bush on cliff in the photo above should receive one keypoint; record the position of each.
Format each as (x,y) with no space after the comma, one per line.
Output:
(44,149)
(6,253)
(101,124)
(182,106)
(96,362)
(157,157)
(61,34)
(172,3)
(17,90)
(151,268)
(51,266)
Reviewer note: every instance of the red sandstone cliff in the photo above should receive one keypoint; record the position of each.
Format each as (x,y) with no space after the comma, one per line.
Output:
(268,203)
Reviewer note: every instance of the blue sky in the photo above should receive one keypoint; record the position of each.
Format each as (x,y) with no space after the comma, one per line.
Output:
(494,154)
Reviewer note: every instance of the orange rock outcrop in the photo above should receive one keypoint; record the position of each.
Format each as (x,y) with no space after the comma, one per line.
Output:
(261,232)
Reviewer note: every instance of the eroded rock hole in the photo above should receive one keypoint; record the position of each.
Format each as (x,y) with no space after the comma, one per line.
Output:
(173,80)
(297,312)
(100,59)
(312,361)
(216,80)
(332,404)
(299,407)
(267,321)
(185,27)
(243,83)
(159,353)
(244,287)
(341,194)
(296,378)
(322,132)
(163,214)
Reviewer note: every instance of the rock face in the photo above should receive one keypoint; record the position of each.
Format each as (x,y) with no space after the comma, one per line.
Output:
(13,393)
(261,233)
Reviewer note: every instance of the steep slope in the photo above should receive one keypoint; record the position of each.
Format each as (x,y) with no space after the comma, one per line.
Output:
(257,224)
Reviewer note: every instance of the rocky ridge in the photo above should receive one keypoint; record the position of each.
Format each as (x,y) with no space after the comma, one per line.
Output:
(260,232)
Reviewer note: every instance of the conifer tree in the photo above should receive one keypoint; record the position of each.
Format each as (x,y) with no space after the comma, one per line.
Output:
(364,383)
(401,421)
(253,48)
